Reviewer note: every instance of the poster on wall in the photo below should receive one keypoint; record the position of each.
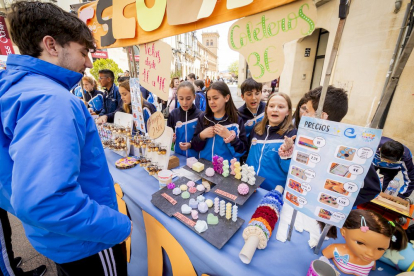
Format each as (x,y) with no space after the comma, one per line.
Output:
(136,105)
(6,46)
(328,168)
(260,37)
(155,68)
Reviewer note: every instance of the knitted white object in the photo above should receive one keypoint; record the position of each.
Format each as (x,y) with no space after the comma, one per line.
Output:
(255,231)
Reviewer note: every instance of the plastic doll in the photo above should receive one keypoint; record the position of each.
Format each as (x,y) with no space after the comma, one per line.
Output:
(367,236)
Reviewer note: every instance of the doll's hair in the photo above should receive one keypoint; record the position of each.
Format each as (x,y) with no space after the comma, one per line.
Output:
(376,223)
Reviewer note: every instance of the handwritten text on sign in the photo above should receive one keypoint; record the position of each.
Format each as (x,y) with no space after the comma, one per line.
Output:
(156,125)
(260,38)
(155,67)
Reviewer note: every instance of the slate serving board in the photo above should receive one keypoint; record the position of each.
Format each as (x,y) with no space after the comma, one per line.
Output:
(218,235)
(226,184)
(164,205)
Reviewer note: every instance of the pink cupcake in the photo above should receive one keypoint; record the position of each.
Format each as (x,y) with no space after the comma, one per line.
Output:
(192,190)
(243,189)
(190,184)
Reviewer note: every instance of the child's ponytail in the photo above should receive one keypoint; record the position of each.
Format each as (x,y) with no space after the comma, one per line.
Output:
(399,240)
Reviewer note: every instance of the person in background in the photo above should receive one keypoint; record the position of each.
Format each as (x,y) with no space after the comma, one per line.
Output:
(266,91)
(300,110)
(191,78)
(200,97)
(334,109)
(90,88)
(219,130)
(267,138)
(208,82)
(253,109)
(126,74)
(124,89)
(147,95)
(392,157)
(65,196)
(112,98)
(123,78)
(172,96)
(183,120)
(274,84)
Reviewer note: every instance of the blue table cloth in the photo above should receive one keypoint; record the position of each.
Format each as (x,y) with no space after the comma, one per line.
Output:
(289,258)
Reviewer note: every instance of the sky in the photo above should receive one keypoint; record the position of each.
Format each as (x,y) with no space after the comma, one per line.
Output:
(225,55)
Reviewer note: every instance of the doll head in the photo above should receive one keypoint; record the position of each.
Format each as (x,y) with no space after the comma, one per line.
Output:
(368,234)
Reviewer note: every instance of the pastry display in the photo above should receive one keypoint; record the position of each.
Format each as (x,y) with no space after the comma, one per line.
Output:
(176,191)
(200,188)
(212,219)
(185,209)
(209,203)
(194,214)
(190,184)
(191,161)
(201,226)
(183,187)
(201,198)
(126,163)
(193,203)
(192,190)
(202,207)
(185,195)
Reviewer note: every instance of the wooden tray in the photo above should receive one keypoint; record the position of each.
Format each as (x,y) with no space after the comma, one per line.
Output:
(393,203)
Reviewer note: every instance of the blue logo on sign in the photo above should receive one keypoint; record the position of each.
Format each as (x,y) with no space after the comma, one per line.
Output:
(350,133)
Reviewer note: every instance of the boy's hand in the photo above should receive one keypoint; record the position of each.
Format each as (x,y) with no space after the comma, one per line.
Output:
(207,133)
(221,131)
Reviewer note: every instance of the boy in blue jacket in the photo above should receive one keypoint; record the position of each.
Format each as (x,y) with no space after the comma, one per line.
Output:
(252,111)
(54,175)
(392,157)
(183,120)
(200,98)
(112,98)
(335,108)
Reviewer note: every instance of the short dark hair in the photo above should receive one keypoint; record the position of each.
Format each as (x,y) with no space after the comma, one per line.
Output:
(336,102)
(392,150)
(250,85)
(122,79)
(191,76)
(108,73)
(199,83)
(31,21)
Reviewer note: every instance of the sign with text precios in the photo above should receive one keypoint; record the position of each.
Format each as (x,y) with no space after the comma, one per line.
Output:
(124,23)
(260,38)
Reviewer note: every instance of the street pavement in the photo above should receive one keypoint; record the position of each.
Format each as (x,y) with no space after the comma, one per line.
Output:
(238,101)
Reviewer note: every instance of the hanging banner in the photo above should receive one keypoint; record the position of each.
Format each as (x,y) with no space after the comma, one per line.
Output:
(6,45)
(124,23)
(260,38)
(136,104)
(328,168)
(154,68)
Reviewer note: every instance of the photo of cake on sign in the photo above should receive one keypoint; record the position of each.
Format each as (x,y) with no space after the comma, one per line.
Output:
(313,144)
(309,159)
(328,215)
(345,171)
(333,201)
(302,188)
(358,156)
(296,200)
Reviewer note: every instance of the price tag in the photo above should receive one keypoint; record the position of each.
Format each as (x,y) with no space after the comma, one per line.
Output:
(156,125)
(356,169)
(309,173)
(343,201)
(306,187)
(314,158)
(302,200)
(319,142)
(338,216)
(365,153)
(350,187)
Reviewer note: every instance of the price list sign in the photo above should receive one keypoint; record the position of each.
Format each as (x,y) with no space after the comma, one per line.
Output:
(328,168)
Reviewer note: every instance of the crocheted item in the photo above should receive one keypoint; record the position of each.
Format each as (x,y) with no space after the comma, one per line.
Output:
(264,218)
(286,154)
(171,186)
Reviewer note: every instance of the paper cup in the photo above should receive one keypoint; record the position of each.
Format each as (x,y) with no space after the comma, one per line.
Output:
(320,268)
(164,177)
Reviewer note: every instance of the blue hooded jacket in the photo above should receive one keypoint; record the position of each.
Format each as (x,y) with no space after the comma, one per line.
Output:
(53,175)
(112,99)
(390,170)
(264,156)
(249,120)
(216,145)
(200,100)
(184,123)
